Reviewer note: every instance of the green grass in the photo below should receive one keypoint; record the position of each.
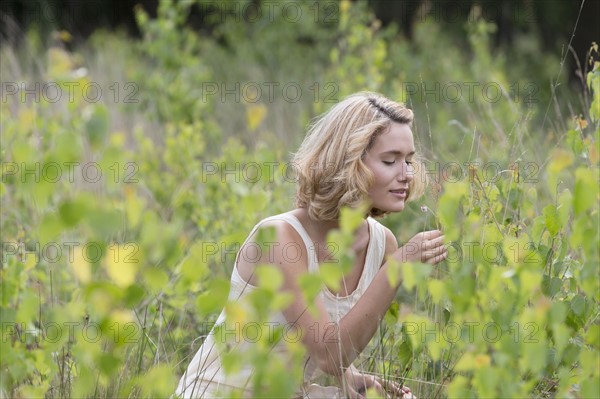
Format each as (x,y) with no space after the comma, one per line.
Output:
(166,216)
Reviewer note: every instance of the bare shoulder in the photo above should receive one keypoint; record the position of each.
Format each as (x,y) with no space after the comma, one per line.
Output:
(286,249)
(391,243)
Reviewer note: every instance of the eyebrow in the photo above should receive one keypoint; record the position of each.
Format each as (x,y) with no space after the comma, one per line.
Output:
(395,152)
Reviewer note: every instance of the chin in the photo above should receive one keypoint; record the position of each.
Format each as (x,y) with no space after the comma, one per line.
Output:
(393,208)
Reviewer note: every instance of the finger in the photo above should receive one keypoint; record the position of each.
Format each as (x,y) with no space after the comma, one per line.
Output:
(428,255)
(391,387)
(437,259)
(432,253)
(431,234)
(379,389)
(435,242)
(352,393)
(394,388)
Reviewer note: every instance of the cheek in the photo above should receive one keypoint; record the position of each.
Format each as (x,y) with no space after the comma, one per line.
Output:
(381,176)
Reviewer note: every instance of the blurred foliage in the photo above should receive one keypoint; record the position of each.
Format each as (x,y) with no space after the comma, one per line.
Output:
(121,215)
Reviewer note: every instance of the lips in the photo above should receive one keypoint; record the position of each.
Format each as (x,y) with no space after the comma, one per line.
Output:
(400,193)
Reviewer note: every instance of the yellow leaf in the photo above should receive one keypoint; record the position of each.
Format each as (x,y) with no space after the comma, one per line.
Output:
(59,62)
(560,160)
(344,6)
(30,261)
(393,271)
(27,118)
(255,114)
(482,360)
(582,123)
(436,290)
(118,139)
(121,316)
(236,313)
(466,362)
(65,36)
(120,265)
(80,266)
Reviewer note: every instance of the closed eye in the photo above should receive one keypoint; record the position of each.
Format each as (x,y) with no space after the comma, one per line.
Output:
(389,162)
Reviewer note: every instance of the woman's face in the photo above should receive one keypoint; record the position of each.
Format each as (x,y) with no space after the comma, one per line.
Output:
(390,160)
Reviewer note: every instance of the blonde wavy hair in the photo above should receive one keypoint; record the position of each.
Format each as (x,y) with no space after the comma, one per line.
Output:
(329,163)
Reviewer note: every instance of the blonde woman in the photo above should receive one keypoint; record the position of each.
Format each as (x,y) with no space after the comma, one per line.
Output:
(362,150)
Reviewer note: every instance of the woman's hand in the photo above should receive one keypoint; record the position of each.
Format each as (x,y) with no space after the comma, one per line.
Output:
(358,383)
(426,247)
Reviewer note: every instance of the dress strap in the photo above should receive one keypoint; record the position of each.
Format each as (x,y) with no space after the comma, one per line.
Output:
(295,223)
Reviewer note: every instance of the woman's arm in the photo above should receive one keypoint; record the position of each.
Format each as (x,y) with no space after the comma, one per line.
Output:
(335,346)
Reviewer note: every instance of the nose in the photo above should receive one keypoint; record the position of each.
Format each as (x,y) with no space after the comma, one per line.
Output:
(406,173)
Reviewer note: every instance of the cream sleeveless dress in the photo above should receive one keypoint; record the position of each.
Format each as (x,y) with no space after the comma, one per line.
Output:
(204,377)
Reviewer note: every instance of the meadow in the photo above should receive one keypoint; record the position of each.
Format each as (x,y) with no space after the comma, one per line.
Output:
(132,171)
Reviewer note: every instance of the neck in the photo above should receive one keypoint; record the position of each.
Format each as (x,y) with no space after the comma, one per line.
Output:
(318,228)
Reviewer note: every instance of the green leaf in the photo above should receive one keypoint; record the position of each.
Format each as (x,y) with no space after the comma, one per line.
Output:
(133,294)
(530,281)
(28,307)
(570,354)
(551,285)
(415,274)
(586,190)
(331,273)
(159,381)
(155,278)
(565,203)
(578,304)
(459,388)
(552,221)
(405,353)
(108,363)
(391,316)
(50,228)
(593,336)
(105,221)
(311,285)
(72,211)
(574,141)
(590,387)
(193,270)
(96,124)
(270,277)
(214,297)
(351,219)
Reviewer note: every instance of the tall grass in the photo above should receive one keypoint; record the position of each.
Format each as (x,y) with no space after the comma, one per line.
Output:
(527,169)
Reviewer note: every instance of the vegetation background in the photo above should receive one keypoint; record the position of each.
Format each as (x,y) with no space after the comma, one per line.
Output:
(135,161)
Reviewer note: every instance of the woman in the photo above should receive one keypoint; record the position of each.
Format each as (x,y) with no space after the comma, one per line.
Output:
(362,150)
